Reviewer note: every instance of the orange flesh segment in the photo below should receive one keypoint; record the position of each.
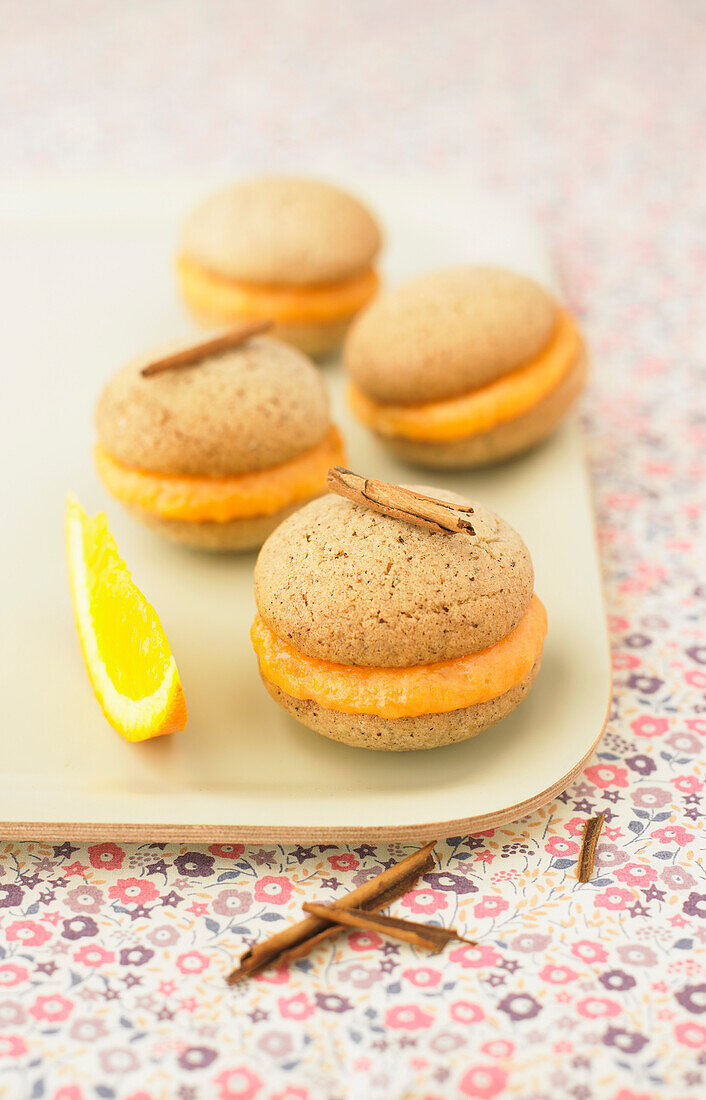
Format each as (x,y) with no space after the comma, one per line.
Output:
(227,299)
(220,499)
(404,692)
(459,417)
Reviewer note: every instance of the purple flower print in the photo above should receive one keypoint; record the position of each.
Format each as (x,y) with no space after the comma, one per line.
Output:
(194,864)
(12,1014)
(77,927)
(84,899)
(118,1060)
(232,903)
(609,856)
(617,980)
(455,884)
(530,942)
(693,998)
(196,1057)
(361,977)
(88,1029)
(636,954)
(683,741)
(676,878)
(331,1002)
(278,1044)
(447,1041)
(695,905)
(643,765)
(135,956)
(650,798)
(10,894)
(629,1042)
(163,936)
(520,1006)
(645,685)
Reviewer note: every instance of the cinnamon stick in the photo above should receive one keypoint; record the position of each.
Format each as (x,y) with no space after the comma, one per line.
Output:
(299,939)
(406,504)
(195,353)
(431,936)
(591,833)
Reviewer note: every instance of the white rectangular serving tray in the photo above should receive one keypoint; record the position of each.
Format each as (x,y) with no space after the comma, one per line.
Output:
(86,281)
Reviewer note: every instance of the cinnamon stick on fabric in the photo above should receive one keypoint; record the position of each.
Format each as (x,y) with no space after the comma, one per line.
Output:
(591,833)
(194,353)
(431,936)
(392,500)
(299,939)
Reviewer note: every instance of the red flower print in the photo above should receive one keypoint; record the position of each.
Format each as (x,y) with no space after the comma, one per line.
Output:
(238,1083)
(606,775)
(595,1008)
(68,1092)
(647,726)
(51,1007)
(291,1092)
(576,826)
(275,889)
(559,846)
(697,725)
(346,861)
(192,962)
(298,1007)
(12,974)
(490,906)
(106,856)
(408,1018)
(624,661)
(27,932)
(613,898)
(475,957)
(557,975)
(135,891)
(92,954)
(423,977)
(466,1012)
(278,976)
(12,1046)
(425,901)
(226,851)
(673,834)
(687,784)
(483,1082)
(365,941)
(691,1035)
(498,1048)
(636,874)
(588,950)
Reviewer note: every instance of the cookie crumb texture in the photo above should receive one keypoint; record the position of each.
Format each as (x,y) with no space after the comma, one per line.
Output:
(346,584)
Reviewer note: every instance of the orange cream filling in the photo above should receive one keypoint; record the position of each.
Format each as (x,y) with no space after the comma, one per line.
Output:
(404,692)
(220,499)
(459,417)
(227,299)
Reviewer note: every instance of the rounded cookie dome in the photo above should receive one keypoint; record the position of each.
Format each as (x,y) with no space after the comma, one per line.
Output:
(447,333)
(282,230)
(343,583)
(247,409)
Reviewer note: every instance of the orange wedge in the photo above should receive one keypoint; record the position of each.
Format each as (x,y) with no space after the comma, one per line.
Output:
(127,654)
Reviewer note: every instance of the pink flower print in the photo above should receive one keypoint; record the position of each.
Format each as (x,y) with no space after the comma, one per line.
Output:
(27,932)
(559,846)
(696,678)
(557,975)
(135,891)
(238,1083)
(636,874)
(613,898)
(596,1008)
(424,977)
(278,976)
(606,775)
(92,954)
(292,1092)
(12,1046)
(344,861)
(475,956)
(425,901)
(691,1035)
(622,662)
(109,857)
(226,851)
(673,834)
(68,1092)
(274,889)
(298,1007)
(365,941)
(628,1094)
(51,1007)
(490,906)
(12,974)
(498,1048)
(483,1082)
(466,1012)
(589,951)
(687,784)
(408,1018)
(648,726)
(697,725)
(192,962)
(575,826)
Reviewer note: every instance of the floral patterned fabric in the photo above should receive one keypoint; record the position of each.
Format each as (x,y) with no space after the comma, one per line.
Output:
(112,957)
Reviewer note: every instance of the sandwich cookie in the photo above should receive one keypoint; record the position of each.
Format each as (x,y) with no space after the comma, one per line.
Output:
(464,367)
(295,250)
(383,634)
(214,452)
